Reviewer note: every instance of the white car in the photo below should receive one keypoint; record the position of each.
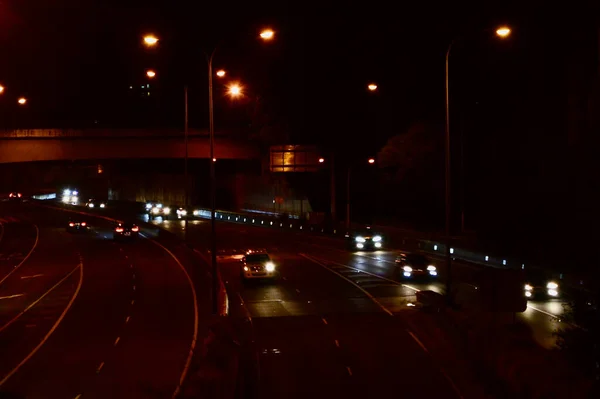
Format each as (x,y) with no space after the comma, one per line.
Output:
(257,265)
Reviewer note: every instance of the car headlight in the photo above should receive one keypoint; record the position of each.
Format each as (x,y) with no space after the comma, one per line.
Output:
(377,239)
(552,285)
(91,205)
(166,209)
(148,206)
(407,269)
(196,212)
(431,268)
(528,287)
(102,205)
(360,239)
(270,267)
(155,210)
(182,212)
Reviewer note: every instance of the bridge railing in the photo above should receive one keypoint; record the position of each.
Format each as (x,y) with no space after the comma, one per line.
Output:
(98,132)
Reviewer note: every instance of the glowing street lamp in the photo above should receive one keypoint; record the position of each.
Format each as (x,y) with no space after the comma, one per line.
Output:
(372,87)
(371,160)
(221,73)
(267,34)
(150,40)
(150,73)
(503,31)
(234,90)
(321,160)
(22,100)
(1,89)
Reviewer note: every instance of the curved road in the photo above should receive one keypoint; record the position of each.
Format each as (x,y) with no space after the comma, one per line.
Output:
(86,317)
(318,332)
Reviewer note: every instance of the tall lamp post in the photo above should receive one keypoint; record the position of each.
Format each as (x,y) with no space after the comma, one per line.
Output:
(501,32)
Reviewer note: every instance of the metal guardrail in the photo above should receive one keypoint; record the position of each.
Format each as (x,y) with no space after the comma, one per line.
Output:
(98,132)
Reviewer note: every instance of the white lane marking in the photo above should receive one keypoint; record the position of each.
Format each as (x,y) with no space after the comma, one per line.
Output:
(99,367)
(241,299)
(134,276)
(39,299)
(35,243)
(58,321)
(11,296)
(367,293)
(417,340)
(297,290)
(452,384)
(337,343)
(371,274)
(78,396)
(134,287)
(127,319)
(285,278)
(132,301)
(117,341)
(195,333)
(543,311)
(324,321)
(349,370)
(33,276)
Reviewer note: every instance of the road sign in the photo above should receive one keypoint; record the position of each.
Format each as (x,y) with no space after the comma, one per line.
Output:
(295,158)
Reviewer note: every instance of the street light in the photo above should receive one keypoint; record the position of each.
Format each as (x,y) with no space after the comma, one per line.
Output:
(371,160)
(150,73)
(372,87)
(221,73)
(267,34)
(321,160)
(1,89)
(234,90)
(502,32)
(22,100)
(150,40)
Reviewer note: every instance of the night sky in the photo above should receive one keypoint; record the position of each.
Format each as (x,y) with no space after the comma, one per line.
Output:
(76,60)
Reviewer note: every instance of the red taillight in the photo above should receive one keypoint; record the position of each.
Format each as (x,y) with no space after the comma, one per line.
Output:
(19,195)
(119,229)
(71,224)
(135,228)
(11,195)
(83,223)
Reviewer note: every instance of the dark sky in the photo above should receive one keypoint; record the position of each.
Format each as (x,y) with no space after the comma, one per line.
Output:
(75,61)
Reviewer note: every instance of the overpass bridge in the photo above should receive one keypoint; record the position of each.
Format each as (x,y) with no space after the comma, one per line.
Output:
(81,144)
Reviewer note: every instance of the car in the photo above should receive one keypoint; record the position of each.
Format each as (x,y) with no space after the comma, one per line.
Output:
(257,265)
(181,213)
(77,226)
(93,203)
(126,231)
(413,266)
(539,284)
(154,209)
(364,239)
(15,196)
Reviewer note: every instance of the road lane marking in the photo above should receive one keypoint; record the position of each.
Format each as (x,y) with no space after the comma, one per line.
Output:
(367,293)
(297,290)
(134,287)
(241,299)
(35,243)
(117,341)
(337,343)
(195,333)
(131,266)
(417,340)
(38,300)
(544,312)
(99,367)
(324,321)
(132,301)
(134,276)
(78,396)
(285,278)
(49,333)
(349,370)
(127,319)
(11,296)
(452,384)
(34,276)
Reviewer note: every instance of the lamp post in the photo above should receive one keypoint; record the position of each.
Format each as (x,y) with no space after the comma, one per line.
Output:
(501,32)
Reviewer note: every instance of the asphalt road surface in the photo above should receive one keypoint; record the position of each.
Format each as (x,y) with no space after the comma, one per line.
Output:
(82,316)
(541,317)
(323,329)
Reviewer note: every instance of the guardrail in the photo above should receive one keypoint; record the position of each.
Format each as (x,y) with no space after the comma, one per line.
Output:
(570,280)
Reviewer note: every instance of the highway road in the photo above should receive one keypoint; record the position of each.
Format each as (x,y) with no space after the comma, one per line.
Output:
(82,316)
(323,329)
